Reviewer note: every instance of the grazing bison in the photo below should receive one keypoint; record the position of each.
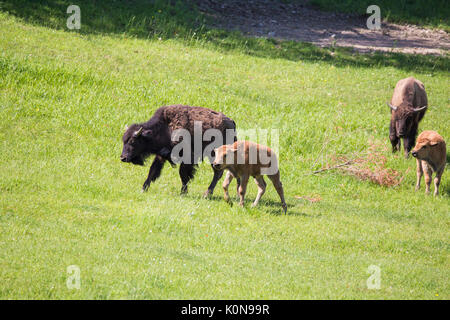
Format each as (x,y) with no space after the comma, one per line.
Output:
(408,106)
(244,159)
(156,137)
(430,153)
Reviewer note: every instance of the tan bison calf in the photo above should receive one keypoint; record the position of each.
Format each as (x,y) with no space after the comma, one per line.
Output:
(430,154)
(244,159)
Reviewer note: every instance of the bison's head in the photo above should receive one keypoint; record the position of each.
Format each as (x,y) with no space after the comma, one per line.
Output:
(223,155)
(136,144)
(404,117)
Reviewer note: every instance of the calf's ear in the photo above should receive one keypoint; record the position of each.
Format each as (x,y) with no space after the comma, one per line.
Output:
(434,143)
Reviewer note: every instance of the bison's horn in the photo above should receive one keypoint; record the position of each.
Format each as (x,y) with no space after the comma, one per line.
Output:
(391,106)
(420,109)
(138,133)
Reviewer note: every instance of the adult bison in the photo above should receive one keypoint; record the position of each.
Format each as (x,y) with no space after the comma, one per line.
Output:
(408,106)
(156,137)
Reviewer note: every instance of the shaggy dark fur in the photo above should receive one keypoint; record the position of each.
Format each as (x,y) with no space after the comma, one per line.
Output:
(154,137)
(409,97)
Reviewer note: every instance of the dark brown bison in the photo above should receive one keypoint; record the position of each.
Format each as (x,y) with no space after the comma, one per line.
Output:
(408,106)
(157,137)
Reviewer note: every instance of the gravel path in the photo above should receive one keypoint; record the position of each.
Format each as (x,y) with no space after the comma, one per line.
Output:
(300,21)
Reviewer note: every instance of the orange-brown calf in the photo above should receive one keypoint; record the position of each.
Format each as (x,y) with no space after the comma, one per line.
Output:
(244,159)
(430,153)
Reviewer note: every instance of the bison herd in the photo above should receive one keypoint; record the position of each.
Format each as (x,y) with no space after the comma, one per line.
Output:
(211,134)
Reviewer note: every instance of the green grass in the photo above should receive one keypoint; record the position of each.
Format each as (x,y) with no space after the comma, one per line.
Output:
(429,13)
(66,199)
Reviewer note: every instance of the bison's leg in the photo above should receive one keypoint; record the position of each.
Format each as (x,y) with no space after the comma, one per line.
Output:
(279,187)
(155,172)
(226,183)
(243,189)
(261,189)
(410,140)
(187,172)
(428,174)
(437,181)
(395,141)
(419,173)
(238,184)
(217,175)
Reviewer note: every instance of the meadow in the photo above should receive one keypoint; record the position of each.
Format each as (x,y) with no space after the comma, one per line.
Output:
(67,199)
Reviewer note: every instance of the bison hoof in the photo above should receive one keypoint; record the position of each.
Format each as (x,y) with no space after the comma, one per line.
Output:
(207,194)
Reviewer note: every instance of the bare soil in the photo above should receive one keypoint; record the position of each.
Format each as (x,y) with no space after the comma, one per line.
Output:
(300,21)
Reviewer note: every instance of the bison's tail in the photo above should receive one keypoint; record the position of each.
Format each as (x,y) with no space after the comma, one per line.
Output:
(235,133)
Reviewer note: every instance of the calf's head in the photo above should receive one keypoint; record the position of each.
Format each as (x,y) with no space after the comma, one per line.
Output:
(136,144)
(223,156)
(424,148)
(404,118)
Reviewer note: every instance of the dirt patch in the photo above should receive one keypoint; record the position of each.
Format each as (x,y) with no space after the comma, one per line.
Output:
(301,22)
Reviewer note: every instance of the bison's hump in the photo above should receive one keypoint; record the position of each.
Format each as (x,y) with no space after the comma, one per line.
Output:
(409,92)
(183,117)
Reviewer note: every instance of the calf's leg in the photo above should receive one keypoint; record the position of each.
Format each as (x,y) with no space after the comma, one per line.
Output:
(226,183)
(261,189)
(187,172)
(419,172)
(428,173)
(155,171)
(437,180)
(279,187)
(243,189)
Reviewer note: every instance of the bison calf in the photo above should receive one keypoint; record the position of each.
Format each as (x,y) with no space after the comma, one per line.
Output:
(430,154)
(244,159)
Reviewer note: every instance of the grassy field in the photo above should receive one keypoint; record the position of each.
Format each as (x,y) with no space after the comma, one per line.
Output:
(66,199)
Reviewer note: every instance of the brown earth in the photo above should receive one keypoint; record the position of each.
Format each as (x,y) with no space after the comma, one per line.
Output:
(301,22)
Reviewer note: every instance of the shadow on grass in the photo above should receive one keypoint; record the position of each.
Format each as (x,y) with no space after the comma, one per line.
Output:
(266,205)
(181,20)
